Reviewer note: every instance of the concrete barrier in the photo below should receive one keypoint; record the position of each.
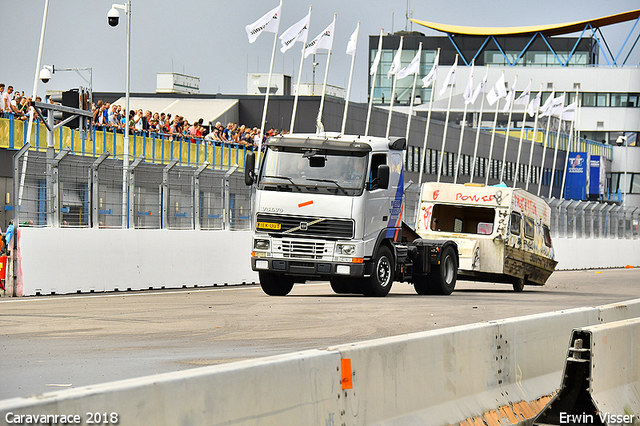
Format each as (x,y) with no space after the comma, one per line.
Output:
(69,260)
(587,253)
(475,374)
(72,260)
(601,380)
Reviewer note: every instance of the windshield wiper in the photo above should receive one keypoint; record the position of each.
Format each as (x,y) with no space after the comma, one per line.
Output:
(284,177)
(330,181)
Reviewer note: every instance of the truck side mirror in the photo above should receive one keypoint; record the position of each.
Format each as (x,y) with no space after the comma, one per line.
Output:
(249,165)
(383,176)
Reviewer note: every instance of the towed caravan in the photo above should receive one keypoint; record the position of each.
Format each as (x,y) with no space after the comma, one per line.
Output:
(502,233)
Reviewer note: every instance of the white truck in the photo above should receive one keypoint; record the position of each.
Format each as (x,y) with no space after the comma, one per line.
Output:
(329,207)
(502,233)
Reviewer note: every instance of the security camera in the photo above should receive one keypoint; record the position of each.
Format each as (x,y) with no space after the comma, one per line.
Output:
(621,140)
(45,75)
(113,17)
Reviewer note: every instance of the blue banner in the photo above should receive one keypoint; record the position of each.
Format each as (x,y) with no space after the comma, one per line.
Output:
(577,181)
(596,176)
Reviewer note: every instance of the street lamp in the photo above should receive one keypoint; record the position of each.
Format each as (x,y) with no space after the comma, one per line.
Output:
(622,140)
(113,17)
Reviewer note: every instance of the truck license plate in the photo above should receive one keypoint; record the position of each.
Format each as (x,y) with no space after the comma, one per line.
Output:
(268,225)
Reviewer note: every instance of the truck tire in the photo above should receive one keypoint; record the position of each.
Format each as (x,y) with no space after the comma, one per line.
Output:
(381,279)
(341,285)
(442,278)
(422,286)
(274,284)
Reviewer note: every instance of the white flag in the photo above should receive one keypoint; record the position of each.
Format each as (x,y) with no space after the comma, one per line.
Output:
(324,40)
(296,32)
(353,42)
(569,113)
(396,64)
(450,78)
(546,108)
(523,99)
(412,68)
(431,77)
(497,91)
(480,87)
(557,106)
(376,61)
(510,96)
(468,92)
(534,104)
(269,23)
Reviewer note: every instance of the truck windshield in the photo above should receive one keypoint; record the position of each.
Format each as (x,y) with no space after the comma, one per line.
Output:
(336,172)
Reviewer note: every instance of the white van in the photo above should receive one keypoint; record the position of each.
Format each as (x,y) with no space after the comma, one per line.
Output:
(502,233)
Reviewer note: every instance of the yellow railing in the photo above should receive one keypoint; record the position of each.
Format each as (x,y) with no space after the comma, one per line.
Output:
(156,148)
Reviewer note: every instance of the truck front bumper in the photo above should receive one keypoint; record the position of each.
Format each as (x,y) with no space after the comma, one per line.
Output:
(309,269)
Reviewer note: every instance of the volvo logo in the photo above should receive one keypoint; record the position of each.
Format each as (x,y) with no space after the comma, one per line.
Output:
(304,226)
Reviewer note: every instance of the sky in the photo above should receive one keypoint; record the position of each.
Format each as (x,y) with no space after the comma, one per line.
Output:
(207,39)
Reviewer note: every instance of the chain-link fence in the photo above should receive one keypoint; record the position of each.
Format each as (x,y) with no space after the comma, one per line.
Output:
(70,190)
(592,219)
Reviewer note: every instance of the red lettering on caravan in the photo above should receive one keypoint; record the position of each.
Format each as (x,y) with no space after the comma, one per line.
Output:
(436,194)
(474,198)
(525,205)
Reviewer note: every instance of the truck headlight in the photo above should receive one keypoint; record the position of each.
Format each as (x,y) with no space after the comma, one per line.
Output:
(346,249)
(261,244)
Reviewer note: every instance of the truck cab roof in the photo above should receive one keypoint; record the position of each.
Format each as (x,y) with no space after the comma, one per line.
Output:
(339,142)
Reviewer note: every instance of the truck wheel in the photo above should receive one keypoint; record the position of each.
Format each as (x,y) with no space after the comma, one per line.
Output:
(518,284)
(381,279)
(442,278)
(275,285)
(341,285)
(422,286)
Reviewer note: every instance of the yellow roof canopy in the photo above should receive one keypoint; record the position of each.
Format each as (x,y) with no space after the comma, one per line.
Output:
(547,30)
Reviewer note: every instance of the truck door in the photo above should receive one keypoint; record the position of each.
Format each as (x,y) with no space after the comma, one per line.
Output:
(377,200)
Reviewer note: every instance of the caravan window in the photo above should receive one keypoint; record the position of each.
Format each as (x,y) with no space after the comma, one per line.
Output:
(514,223)
(547,235)
(529,227)
(463,219)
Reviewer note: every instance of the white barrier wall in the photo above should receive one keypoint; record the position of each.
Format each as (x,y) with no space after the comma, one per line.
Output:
(586,253)
(450,376)
(69,260)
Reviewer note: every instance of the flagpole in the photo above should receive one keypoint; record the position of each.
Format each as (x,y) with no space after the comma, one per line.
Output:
(544,147)
(555,151)
(393,94)
(295,101)
(571,139)
(524,120)
(533,142)
(475,148)
(346,103)
(373,86)
(324,84)
(413,94)
(426,131)
(463,124)
(266,96)
(493,137)
(506,130)
(446,127)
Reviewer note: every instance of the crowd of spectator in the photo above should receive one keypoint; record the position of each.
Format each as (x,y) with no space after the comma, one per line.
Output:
(113,117)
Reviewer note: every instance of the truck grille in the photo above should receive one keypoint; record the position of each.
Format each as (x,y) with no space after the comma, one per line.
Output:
(302,249)
(309,226)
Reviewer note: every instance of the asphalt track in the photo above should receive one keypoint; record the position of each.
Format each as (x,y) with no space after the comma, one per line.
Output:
(53,342)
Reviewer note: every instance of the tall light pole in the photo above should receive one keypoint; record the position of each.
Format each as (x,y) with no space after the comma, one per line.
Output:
(113,17)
